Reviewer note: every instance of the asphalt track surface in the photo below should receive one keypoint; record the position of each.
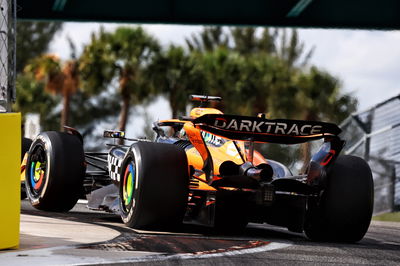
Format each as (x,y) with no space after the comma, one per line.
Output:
(93,238)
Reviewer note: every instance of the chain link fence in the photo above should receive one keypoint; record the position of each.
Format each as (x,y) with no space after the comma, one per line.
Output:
(375,135)
(7,54)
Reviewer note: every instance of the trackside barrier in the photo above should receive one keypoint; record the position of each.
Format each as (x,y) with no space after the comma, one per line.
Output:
(10,199)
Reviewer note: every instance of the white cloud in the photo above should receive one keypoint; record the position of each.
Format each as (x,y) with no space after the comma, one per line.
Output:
(366,61)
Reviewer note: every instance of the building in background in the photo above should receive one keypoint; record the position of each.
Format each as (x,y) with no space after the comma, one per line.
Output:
(374,134)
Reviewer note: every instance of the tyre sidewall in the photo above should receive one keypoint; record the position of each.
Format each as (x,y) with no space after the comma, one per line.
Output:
(128,215)
(161,187)
(44,142)
(344,211)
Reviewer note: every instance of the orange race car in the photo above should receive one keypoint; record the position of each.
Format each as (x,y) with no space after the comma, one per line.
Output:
(204,169)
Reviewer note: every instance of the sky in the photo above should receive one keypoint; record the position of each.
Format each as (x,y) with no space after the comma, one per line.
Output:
(367,62)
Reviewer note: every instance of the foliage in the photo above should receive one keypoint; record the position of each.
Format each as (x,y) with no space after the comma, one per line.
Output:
(59,78)
(31,98)
(33,39)
(175,74)
(268,73)
(254,70)
(119,57)
(208,40)
(87,110)
(320,98)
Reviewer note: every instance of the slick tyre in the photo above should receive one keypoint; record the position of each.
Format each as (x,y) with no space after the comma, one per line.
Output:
(344,212)
(154,183)
(55,171)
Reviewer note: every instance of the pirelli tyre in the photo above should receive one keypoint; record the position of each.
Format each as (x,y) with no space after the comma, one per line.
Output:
(343,213)
(154,186)
(54,171)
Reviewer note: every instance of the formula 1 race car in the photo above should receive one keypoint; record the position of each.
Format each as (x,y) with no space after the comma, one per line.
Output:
(204,169)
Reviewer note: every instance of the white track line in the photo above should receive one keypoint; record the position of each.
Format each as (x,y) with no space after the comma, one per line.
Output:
(187,256)
(52,256)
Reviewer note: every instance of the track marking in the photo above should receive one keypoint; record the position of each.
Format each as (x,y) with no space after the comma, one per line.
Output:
(186,256)
(52,256)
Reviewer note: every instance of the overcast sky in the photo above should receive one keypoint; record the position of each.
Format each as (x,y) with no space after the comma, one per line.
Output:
(367,62)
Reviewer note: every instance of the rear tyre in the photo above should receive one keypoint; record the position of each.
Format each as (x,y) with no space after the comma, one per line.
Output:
(54,171)
(344,212)
(154,186)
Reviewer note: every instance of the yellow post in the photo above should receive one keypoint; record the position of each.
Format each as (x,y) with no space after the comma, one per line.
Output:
(10,199)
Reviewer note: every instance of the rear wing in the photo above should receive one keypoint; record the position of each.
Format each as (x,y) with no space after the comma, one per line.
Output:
(249,128)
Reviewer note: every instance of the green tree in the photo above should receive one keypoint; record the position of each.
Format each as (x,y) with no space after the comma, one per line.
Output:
(62,79)
(176,75)
(293,50)
(246,41)
(32,98)
(269,73)
(268,63)
(33,39)
(119,57)
(220,69)
(319,97)
(209,39)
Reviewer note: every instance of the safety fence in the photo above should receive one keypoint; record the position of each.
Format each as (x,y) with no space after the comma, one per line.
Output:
(7,53)
(375,135)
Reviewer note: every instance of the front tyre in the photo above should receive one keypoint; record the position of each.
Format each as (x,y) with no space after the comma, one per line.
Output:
(154,183)
(344,212)
(54,171)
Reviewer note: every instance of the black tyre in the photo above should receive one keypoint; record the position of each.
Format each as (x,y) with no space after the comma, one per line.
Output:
(54,171)
(154,186)
(344,212)
(25,145)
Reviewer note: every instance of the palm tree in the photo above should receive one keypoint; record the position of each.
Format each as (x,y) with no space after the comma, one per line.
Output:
(247,42)
(119,58)
(221,70)
(59,78)
(33,98)
(175,74)
(208,40)
(319,97)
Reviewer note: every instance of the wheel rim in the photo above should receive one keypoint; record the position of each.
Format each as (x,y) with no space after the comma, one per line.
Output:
(128,186)
(37,171)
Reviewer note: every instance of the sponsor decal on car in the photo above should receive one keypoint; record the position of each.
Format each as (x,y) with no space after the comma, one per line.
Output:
(247,128)
(282,128)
